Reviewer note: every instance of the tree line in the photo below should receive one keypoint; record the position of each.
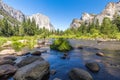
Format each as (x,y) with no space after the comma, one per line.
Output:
(26,28)
(108,29)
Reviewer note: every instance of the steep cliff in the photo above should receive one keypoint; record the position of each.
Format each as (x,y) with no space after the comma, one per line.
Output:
(110,10)
(42,21)
(16,17)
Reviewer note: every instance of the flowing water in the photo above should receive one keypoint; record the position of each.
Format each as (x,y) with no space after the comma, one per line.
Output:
(110,64)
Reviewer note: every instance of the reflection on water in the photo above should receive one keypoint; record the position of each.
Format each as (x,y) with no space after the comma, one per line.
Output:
(78,58)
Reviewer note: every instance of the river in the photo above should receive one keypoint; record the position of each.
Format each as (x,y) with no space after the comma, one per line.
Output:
(109,64)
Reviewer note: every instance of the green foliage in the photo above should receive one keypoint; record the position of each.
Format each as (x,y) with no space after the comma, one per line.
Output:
(61,45)
(17,45)
(2,40)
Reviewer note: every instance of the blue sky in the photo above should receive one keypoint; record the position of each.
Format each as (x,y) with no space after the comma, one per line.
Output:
(60,12)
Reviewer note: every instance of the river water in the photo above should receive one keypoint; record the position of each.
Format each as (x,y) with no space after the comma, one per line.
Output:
(110,64)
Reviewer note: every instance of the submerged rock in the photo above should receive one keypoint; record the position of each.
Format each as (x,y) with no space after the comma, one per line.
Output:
(94,67)
(34,71)
(7,70)
(57,79)
(29,60)
(53,72)
(79,74)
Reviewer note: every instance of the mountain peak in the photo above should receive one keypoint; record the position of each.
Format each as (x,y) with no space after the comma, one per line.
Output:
(14,16)
(42,21)
(110,10)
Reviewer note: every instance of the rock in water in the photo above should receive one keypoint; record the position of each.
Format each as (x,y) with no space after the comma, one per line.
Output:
(36,53)
(6,70)
(79,74)
(100,54)
(53,72)
(6,61)
(94,67)
(29,60)
(34,71)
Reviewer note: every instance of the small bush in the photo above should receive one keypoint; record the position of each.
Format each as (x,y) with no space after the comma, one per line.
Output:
(61,45)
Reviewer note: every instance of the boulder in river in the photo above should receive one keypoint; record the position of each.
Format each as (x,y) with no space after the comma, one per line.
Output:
(7,70)
(6,61)
(80,47)
(93,66)
(100,54)
(34,71)
(8,57)
(79,74)
(36,53)
(28,60)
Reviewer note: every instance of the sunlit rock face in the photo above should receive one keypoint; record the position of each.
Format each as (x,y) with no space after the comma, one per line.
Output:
(42,21)
(87,18)
(11,12)
(110,10)
(76,23)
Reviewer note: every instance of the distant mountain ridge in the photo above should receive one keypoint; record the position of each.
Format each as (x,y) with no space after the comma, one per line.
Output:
(110,10)
(15,16)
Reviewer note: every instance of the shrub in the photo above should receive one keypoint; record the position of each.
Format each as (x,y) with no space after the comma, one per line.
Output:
(61,45)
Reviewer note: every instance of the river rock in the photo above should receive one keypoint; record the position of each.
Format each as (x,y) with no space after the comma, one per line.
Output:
(93,66)
(6,61)
(53,72)
(7,52)
(6,70)
(80,47)
(79,74)
(36,53)
(9,57)
(34,71)
(100,54)
(28,60)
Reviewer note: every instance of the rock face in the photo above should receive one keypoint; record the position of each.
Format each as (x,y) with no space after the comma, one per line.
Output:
(14,15)
(42,21)
(79,74)
(11,12)
(76,23)
(94,67)
(34,71)
(110,10)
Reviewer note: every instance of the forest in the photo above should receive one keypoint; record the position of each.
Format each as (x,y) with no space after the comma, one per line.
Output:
(109,29)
